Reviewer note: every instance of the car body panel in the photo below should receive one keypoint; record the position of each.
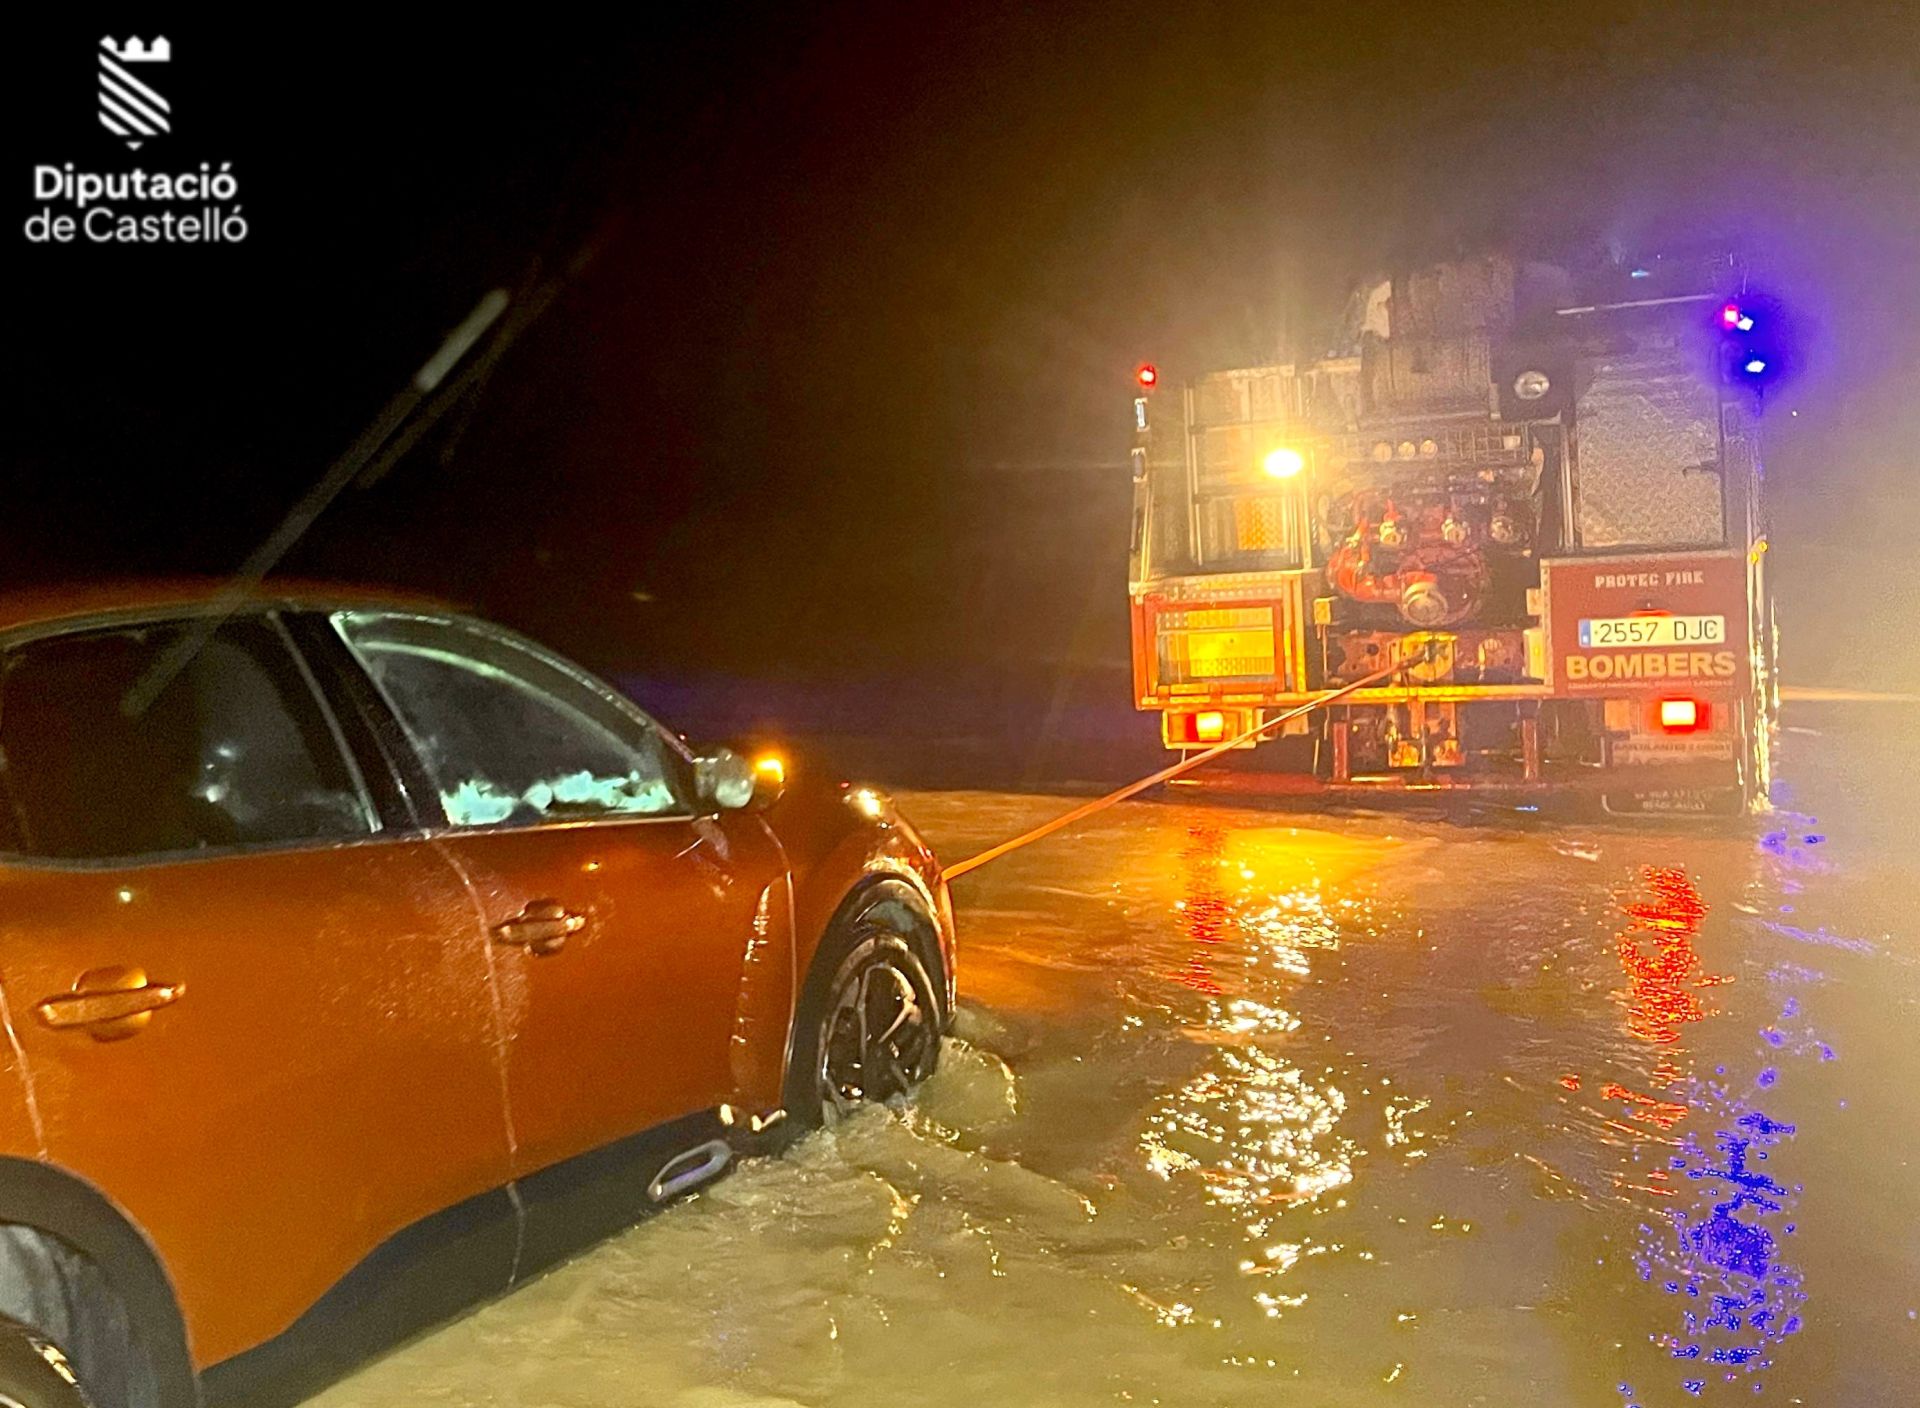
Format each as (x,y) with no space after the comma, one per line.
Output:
(326,1077)
(629,1023)
(451,1260)
(20,1132)
(763,1013)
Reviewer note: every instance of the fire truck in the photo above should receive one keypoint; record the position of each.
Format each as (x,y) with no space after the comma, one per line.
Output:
(1529,495)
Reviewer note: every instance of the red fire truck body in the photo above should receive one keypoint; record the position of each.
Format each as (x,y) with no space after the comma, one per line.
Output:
(1542,503)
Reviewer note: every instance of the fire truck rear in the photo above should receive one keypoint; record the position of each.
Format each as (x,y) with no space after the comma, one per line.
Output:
(1540,499)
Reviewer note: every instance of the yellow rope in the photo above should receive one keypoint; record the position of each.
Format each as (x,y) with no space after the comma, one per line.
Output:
(1185,765)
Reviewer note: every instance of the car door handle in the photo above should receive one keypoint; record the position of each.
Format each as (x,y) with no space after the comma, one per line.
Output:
(541,928)
(110,1003)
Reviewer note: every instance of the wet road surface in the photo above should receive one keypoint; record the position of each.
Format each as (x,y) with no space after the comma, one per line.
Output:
(1249,1107)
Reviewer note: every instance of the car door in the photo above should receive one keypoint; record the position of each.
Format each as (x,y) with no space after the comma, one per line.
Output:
(259,1026)
(621,911)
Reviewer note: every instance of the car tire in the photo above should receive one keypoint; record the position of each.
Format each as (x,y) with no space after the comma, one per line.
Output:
(35,1372)
(869,1024)
(66,1340)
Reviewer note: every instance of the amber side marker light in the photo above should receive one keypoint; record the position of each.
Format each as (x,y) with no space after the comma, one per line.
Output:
(1682,715)
(770,767)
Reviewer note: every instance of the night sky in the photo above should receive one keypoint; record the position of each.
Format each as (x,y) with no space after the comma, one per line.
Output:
(848,378)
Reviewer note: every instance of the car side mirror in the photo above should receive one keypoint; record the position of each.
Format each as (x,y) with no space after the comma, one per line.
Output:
(729,782)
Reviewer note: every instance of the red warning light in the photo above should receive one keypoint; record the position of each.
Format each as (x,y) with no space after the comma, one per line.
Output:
(1730,316)
(1148,375)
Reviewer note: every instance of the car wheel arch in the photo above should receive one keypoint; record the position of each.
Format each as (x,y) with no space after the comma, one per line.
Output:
(882,889)
(63,1206)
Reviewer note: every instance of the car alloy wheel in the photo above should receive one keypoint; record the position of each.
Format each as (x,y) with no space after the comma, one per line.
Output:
(880,1036)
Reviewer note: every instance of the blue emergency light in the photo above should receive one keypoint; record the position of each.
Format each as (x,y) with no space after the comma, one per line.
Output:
(1750,327)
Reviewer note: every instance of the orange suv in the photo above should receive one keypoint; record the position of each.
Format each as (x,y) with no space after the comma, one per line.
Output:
(361,960)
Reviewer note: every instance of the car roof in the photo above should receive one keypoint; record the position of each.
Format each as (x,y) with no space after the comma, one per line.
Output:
(79,603)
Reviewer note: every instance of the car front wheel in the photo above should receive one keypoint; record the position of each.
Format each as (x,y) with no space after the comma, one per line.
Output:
(869,1028)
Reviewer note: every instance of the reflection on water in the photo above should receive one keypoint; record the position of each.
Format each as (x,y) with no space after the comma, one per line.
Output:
(1721,1255)
(1662,966)
(1203,910)
(1252,1127)
(1716,1246)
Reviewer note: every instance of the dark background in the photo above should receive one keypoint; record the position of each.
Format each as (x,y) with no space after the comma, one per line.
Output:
(841,407)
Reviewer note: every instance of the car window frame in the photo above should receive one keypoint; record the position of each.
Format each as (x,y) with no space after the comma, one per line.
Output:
(375,735)
(268,614)
(428,807)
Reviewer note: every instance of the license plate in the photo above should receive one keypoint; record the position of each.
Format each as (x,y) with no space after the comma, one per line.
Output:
(1602,632)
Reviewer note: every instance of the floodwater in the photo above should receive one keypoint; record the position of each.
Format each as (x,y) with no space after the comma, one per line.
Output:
(1249,1107)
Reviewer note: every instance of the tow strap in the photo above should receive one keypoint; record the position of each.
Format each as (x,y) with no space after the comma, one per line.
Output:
(1185,765)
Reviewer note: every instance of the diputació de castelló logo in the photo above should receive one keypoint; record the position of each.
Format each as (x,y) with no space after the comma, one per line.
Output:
(199,205)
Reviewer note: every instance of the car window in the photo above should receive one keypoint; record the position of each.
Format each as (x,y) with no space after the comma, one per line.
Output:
(236,750)
(511,736)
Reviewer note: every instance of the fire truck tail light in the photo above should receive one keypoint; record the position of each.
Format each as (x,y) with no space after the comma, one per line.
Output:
(1682,715)
(1203,728)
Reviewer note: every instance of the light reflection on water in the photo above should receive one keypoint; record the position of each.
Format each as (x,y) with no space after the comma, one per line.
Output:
(1663,968)
(1716,1244)
(1259,1134)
